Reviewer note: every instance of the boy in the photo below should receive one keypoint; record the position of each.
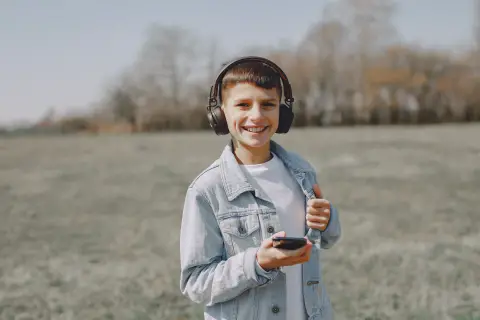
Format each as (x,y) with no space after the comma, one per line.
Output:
(256,190)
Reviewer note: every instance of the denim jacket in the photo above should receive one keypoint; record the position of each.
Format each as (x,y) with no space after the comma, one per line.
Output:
(223,224)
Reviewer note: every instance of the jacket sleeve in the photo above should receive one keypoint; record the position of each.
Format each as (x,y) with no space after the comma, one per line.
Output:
(330,236)
(205,277)
(333,232)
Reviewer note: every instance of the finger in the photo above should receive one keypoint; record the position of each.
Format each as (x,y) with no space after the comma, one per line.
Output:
(318,203)
(319,211)
(314,210)
(295,256)
(269,242)
(317,225)
(317,191)
(304,249)
(291,254)
(308,249)
(301,258)
(324,212)
(314,224)
(279,234)
(318,218)
(305,256)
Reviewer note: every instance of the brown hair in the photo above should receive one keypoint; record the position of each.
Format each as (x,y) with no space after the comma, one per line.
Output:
(255,73)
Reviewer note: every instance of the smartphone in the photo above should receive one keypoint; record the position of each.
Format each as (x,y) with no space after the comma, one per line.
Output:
(289,243)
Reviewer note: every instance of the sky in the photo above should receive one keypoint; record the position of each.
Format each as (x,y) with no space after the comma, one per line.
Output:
(63,53)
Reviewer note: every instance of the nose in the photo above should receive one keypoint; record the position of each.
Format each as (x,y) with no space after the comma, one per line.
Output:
(256,112)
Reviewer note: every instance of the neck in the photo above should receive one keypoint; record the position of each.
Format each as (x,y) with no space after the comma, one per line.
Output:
(247,155)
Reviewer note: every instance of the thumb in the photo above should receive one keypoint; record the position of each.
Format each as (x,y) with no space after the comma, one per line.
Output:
(317,191)
(268,243)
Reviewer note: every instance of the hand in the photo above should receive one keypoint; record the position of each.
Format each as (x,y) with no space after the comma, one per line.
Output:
(269,257)
(318,211)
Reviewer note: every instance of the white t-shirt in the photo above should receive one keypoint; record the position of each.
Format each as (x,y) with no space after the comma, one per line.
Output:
(276,182)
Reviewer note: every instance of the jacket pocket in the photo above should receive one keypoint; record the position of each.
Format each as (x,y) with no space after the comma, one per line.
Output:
(241,232)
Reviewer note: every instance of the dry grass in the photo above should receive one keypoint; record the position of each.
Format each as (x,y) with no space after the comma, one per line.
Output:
(89,225)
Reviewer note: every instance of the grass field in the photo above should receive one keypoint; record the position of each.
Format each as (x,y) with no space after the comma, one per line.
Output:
(89,225)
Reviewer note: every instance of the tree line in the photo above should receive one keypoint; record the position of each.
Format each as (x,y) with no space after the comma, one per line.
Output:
(350,68)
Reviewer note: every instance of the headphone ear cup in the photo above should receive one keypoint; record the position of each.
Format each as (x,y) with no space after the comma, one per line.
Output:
(285,119)
(217,121)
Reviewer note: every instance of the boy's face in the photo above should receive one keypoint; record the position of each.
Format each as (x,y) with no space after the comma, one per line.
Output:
(252,113)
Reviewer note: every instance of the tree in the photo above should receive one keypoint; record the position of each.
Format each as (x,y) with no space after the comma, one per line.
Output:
(166,61)
(122,104)
(324,43)
(370,30)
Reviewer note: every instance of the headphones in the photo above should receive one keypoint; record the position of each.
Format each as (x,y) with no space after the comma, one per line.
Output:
(215,115)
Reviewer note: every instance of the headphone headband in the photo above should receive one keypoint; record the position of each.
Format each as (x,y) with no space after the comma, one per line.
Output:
(286,84)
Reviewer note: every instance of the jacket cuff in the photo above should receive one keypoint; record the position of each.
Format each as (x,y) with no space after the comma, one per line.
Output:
(254,271)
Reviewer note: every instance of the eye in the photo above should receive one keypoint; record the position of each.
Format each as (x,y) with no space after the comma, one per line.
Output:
(242,104)
(269,104)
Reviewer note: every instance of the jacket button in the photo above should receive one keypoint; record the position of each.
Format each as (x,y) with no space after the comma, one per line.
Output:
(275,309)
(241,229)
(271,229)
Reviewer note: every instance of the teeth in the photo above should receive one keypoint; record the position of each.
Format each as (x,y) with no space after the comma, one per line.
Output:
(255,129)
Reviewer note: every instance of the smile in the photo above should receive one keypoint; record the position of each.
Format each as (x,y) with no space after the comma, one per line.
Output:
(255,129)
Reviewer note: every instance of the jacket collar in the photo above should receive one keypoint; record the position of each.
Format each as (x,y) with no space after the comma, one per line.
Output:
(234,180)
